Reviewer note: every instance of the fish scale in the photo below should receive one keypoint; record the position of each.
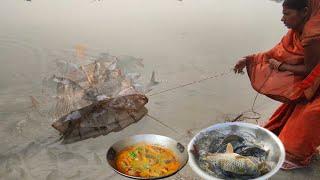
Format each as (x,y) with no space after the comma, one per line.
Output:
(234,163)
(247,161)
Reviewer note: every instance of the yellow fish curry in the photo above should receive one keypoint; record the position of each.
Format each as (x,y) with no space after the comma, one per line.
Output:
(144,160)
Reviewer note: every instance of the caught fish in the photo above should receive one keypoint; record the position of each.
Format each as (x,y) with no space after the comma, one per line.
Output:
(254,151)
(80,51)
(148,87)
(240,146)
(235,140)
(70,70)
(131,102)
(95,72)
(231,162)
(153,81)
(65,81)
(70,95)
(231,156)
(34,102)
(97,98)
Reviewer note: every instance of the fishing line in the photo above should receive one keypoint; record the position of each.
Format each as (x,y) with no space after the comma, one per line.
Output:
(181,86)
(256,115)
(193,82)
(163,123)
(242,115)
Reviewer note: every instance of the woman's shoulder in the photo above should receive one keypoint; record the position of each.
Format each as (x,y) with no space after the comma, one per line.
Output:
(311,31)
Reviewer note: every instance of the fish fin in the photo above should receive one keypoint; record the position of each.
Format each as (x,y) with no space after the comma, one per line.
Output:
(153,79)
(229,148)
(153,76)
(237,157)
(152,83)
(35,103)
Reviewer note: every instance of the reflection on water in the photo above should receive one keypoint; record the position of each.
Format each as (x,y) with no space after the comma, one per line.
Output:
(182,41)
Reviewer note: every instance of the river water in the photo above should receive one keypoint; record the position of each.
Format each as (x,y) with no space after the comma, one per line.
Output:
(182,41)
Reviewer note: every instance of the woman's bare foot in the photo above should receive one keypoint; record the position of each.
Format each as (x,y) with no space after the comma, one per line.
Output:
(287,165)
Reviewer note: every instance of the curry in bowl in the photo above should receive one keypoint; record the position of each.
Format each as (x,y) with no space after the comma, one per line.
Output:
(145,160)
(147,156)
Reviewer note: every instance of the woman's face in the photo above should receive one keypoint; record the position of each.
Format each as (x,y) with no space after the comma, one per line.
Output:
(293,19)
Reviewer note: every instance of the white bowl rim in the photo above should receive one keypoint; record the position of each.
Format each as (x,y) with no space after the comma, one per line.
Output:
(193,164)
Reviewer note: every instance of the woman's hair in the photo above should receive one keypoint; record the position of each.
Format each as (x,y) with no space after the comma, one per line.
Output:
(295,4)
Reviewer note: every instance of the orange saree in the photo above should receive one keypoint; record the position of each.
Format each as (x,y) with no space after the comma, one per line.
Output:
(297,120)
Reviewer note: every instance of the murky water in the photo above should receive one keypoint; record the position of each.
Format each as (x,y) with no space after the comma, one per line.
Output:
(182,40)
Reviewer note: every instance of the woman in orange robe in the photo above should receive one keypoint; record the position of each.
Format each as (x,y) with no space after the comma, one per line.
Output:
(290,73)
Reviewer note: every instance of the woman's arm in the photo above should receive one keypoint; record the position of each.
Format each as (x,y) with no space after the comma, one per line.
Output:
(312,58)
(312,55)
(296,69)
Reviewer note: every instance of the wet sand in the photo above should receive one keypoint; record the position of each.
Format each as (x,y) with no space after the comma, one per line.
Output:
(183,41)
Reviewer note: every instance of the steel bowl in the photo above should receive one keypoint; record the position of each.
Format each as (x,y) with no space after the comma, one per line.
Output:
(177,148)
(269,141)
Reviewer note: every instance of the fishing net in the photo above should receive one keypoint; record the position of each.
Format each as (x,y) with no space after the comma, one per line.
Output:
(94,97)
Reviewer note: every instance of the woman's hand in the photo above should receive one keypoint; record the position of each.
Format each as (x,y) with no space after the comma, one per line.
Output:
(241,64)
(274,64)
